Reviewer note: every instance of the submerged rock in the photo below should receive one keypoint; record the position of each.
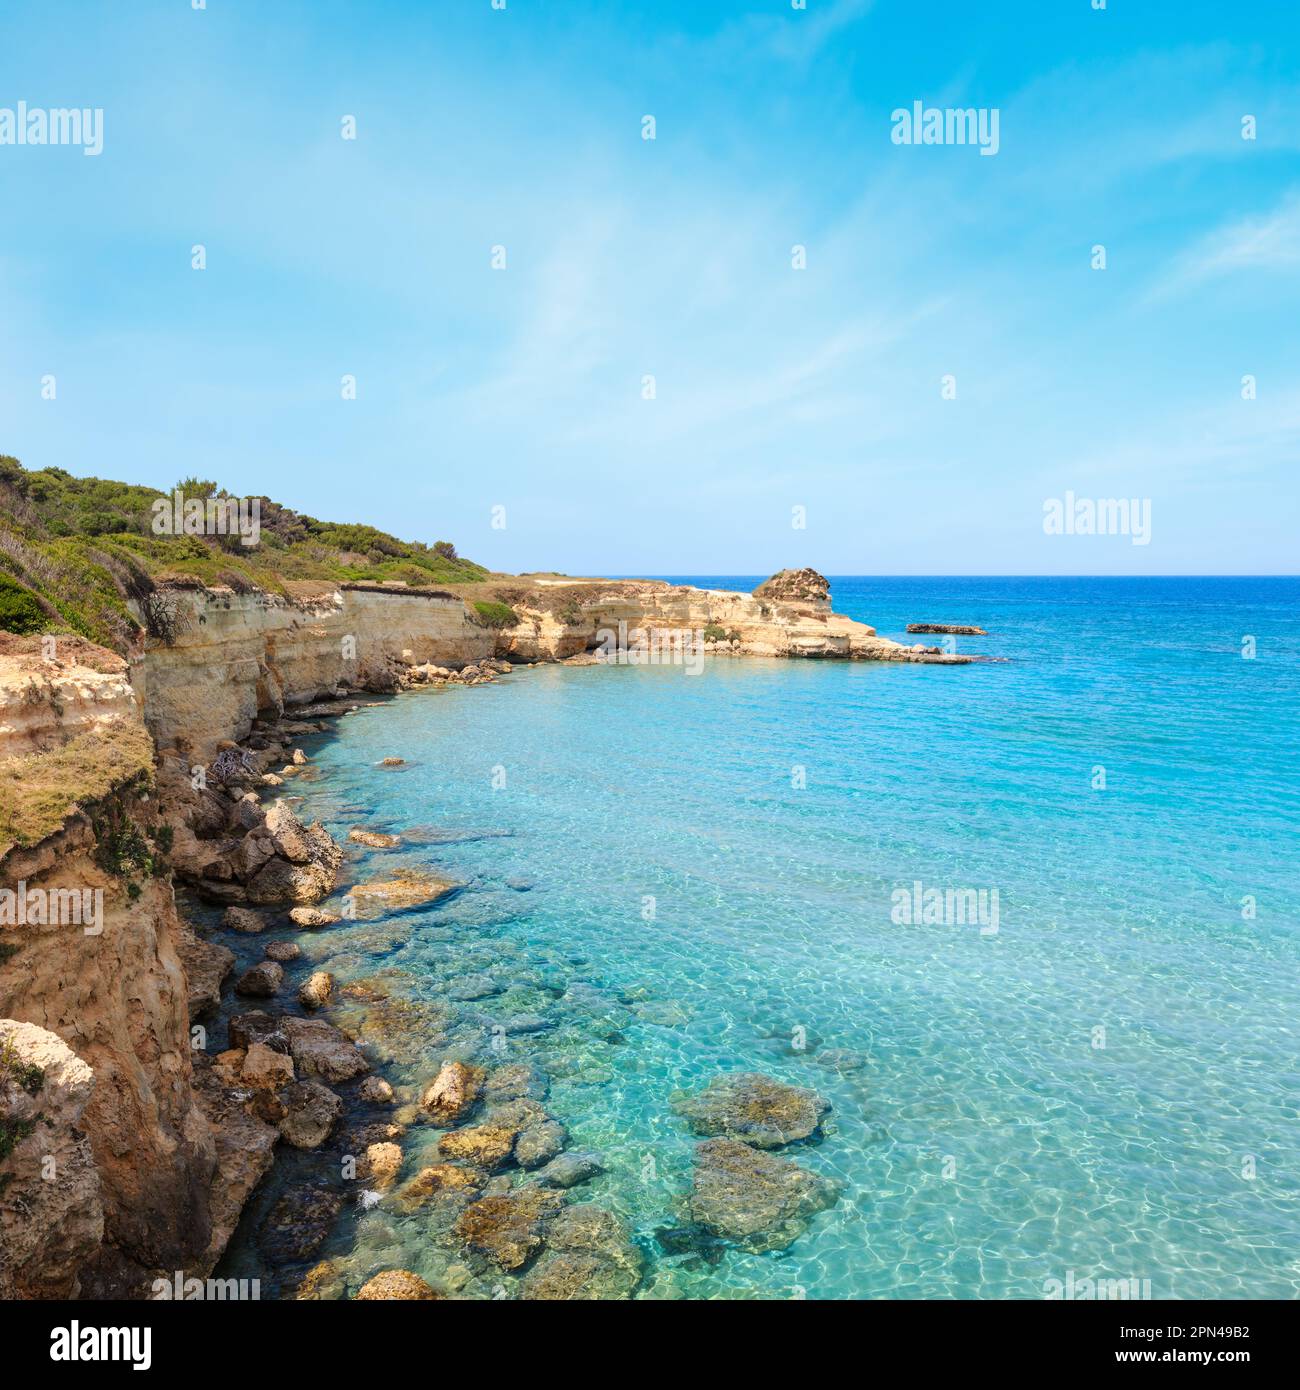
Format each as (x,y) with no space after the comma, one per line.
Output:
(298,1224)
(509,1229)
(516,1081)
(485,1146)
(539,1144)
(283,951)
(590,1255)
(753,1108)
(397,1285)
(440,1178)
(754,1199)
(570,1169)
(373,839)
(406,889)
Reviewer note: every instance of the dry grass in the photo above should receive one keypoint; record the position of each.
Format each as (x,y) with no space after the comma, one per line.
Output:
(39,792)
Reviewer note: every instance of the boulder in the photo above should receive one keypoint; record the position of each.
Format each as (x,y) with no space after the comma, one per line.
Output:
(406,889)
(374,1090)
(452,1094)
(381,1164)
(312,917)
(241,919)
(319,1049)
(753,1108)
(397,1285)
(283,951)
(262,981)
(317,990)
(265,1069)
(311,1112)
(754,1199)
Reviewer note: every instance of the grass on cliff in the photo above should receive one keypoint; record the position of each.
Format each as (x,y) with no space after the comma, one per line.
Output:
(76,553)
(40,791)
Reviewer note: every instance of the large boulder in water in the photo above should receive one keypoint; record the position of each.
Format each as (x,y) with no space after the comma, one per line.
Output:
(755,1200)
(754,1109)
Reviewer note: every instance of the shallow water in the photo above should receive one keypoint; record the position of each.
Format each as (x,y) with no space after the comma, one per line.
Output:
(988,1137)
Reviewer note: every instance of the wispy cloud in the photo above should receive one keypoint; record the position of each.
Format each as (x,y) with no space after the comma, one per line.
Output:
(1268,243)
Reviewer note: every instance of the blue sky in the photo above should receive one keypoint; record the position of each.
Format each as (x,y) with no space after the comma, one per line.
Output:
(775,388)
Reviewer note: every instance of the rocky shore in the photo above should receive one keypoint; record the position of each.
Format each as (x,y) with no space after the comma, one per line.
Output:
(164,1063)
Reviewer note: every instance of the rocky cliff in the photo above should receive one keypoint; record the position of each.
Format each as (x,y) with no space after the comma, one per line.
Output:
(108,1162)
(233,655)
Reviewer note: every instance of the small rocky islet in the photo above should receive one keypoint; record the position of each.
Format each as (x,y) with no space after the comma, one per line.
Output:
(467,1175)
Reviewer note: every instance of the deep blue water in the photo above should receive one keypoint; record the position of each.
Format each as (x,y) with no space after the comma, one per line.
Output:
(1106,1086)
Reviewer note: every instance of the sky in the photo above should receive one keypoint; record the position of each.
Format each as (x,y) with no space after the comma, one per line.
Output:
(946,364)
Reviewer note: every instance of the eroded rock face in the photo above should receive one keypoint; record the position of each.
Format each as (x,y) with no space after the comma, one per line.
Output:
(206,967)
(753,1108)
(754,1199)
(509,1228)
(48,1230)
(803,588)
(397,1285)
(452,1093)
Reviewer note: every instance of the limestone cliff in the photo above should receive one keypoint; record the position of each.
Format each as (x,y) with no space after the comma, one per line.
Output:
(111,1167)
(233,655)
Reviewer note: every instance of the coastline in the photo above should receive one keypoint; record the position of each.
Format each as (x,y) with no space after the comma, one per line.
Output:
(218,1147)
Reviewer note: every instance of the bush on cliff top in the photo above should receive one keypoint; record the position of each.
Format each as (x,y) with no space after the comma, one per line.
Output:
(39,792)
(492,614)
(82,548)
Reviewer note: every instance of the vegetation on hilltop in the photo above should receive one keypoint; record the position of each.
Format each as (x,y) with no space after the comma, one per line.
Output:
(75,551)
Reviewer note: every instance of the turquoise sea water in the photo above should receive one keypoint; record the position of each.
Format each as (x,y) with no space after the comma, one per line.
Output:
(1105,1087)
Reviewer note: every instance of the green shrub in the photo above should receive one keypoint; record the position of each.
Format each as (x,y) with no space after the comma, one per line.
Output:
(20,611)
(496,615)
